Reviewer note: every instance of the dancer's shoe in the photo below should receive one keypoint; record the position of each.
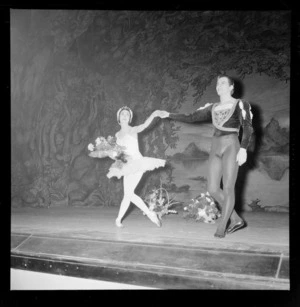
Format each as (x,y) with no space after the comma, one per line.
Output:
(154,218)
(235,227)
(119,224)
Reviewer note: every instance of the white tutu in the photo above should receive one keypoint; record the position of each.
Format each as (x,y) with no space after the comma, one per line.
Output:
(143,164)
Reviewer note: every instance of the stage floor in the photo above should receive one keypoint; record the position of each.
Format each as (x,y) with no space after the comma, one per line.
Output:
(180,254)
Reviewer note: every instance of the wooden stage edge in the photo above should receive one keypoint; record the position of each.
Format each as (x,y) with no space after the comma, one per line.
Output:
(161,264)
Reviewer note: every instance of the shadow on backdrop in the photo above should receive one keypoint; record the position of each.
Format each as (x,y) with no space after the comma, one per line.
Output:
(253,149)
(252,155)
(238,89)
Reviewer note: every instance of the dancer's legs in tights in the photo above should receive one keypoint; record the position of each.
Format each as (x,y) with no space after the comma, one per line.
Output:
(130,182)
(215,172)
(222,163)
(230,170)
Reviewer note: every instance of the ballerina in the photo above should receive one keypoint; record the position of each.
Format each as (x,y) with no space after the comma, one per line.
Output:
(135,166)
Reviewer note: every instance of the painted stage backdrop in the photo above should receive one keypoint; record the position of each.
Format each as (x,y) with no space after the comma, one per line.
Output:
(72,70)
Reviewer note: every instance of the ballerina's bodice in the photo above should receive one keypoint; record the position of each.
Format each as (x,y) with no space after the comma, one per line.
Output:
(132,145)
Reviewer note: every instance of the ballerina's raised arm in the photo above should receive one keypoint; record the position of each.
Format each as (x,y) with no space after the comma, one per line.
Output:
(148,121)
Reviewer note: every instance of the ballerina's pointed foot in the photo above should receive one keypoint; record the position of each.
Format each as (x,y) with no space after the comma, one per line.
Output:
(154,218)
(119,224)
(235,227)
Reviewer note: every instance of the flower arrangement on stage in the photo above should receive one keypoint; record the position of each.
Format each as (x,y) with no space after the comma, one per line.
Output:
(203,208)
(160,202)
(107,148)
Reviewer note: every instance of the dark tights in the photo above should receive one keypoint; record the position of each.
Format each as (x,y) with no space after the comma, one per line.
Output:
(222,164)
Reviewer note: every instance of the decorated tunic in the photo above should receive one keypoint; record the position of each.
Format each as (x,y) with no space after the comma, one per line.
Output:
(226,118)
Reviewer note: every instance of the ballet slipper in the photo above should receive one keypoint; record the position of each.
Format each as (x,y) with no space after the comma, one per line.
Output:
(235,227)
(119,224)
(154,218)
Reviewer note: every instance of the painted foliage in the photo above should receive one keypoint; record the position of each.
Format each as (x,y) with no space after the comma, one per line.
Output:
(72,70)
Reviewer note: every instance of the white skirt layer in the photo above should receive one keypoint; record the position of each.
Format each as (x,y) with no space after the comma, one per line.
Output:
(142,164)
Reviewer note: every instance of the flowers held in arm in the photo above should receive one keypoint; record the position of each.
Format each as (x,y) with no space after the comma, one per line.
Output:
(107,148)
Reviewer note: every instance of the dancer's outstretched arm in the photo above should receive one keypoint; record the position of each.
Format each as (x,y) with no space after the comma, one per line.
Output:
(202,114)
(147,122)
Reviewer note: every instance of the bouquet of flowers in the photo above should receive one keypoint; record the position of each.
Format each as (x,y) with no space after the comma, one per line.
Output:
(202,208)
(159,201)
(107,148)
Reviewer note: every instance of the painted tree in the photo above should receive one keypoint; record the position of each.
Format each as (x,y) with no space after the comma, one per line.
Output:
(72,71)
